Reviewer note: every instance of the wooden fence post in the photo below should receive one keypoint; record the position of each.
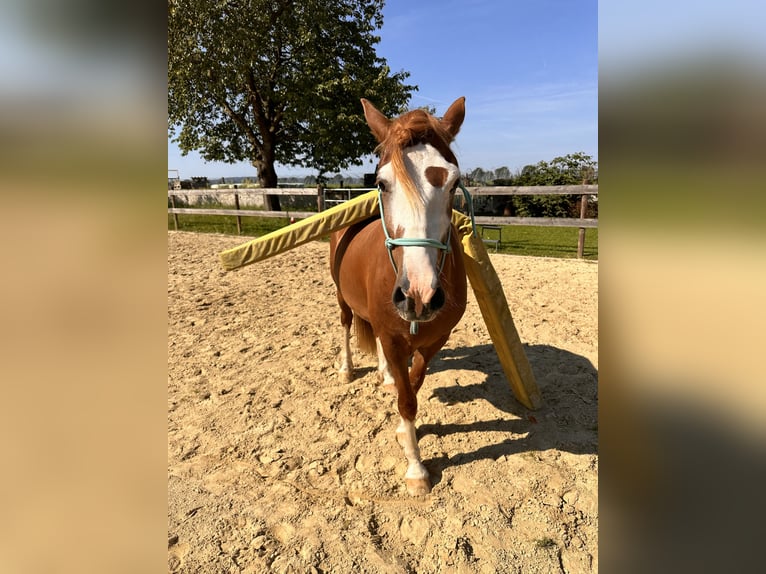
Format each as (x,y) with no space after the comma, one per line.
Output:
(239,219)
(320,198)
(175,215)
(581,238)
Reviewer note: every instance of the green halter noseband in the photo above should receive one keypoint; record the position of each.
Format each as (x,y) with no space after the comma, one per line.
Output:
(421,242)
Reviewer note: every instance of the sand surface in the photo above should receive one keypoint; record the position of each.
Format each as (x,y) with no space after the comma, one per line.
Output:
(275,465)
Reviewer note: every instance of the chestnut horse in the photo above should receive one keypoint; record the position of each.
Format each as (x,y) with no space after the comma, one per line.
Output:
(400,277)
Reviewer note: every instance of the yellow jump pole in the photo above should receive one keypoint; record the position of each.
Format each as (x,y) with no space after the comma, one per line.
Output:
(497,316)
(301,232)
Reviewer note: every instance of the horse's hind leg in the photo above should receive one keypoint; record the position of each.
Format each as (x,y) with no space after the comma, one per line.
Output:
(384,371)
(346,367)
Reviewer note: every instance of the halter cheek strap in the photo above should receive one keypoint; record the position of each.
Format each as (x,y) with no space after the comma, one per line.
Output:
(469,203)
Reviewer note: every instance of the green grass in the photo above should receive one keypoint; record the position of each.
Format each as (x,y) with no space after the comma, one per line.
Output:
(544,241)
(227,224)
(517,240)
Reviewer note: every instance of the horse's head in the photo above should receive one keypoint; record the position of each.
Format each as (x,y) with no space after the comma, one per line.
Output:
(417,176)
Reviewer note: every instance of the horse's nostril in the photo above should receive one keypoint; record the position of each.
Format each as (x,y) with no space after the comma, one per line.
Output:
(399,296)
(437,301)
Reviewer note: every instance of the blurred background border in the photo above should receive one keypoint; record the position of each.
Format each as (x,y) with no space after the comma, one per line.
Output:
(683,275)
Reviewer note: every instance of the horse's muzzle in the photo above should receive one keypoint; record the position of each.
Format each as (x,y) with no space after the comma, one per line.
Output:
(414,308)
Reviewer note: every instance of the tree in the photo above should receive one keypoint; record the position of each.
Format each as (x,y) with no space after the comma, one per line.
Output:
(429,109)
(478,175)
(270,81)
(502,173)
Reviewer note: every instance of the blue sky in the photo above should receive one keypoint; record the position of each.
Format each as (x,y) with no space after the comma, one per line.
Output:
(528,70)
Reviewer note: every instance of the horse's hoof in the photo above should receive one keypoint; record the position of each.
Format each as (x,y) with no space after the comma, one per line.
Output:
(417,486)
(346,376)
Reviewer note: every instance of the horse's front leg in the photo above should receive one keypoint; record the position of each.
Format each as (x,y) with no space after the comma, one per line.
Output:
(416,478)
(420,361)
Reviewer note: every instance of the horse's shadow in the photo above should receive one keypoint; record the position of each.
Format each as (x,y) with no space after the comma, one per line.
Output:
(567,420)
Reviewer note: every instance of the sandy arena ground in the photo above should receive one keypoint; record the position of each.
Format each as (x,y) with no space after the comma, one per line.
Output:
(274,465)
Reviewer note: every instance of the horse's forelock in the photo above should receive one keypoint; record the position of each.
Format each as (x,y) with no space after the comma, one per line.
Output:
(409,129)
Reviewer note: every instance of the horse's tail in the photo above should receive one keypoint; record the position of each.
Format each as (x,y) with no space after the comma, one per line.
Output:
(365,338)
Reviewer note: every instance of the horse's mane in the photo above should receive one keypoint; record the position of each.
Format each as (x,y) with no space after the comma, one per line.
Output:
(411,128)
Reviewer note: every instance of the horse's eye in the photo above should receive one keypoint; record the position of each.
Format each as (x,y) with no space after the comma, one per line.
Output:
(381,186)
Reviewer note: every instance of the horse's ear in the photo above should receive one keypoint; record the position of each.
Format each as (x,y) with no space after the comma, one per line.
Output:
(377,121)
(454,117)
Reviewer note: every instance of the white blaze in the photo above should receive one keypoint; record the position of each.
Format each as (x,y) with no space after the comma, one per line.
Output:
(421,263)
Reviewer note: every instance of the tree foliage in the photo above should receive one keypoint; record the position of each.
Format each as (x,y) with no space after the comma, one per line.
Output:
(271,81)
(571,169)
(502,173)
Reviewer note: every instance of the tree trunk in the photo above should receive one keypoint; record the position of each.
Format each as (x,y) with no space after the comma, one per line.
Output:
(267,178)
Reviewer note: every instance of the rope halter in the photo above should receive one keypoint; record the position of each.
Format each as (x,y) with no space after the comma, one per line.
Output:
(420,242)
